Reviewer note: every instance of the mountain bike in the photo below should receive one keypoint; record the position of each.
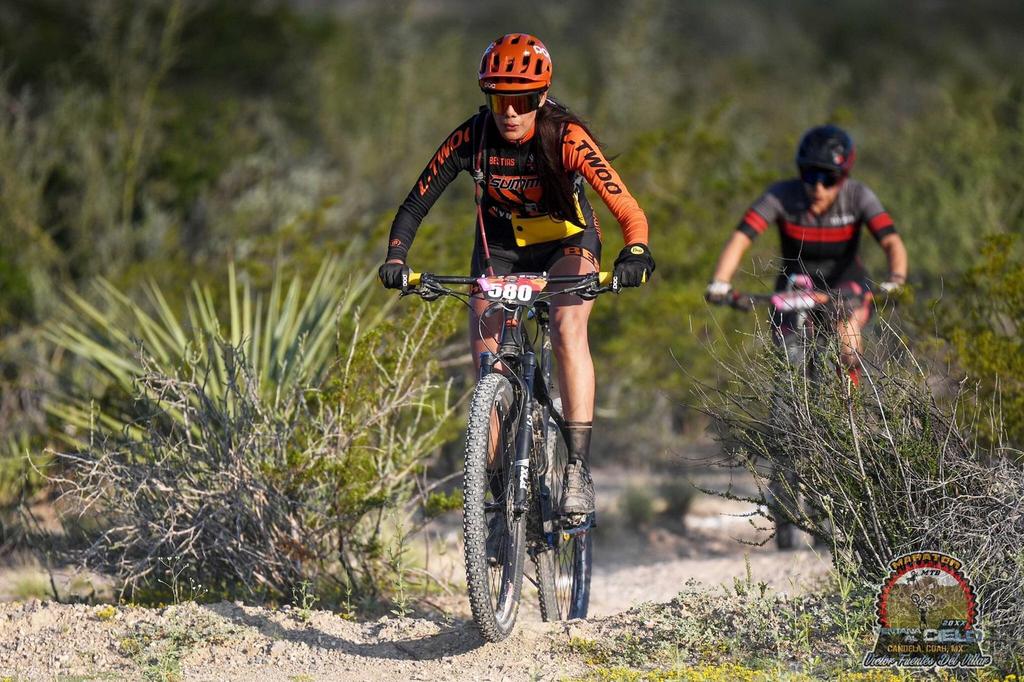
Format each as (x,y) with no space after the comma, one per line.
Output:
(516,455)
(810,315)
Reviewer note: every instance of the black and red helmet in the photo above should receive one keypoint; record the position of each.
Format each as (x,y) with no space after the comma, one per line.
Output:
(828,147)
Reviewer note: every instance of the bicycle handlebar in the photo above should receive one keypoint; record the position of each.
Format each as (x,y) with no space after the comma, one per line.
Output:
(430,286)
(415,278)
(790,301)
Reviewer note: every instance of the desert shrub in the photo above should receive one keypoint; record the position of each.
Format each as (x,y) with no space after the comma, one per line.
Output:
(636,504)
(980,519)
(879,470)
(744,624)
(244,492)
(678,495)
(983,320)
(246,445)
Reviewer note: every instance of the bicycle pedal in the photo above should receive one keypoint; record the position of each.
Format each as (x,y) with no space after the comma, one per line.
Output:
(574,520)
(573,524)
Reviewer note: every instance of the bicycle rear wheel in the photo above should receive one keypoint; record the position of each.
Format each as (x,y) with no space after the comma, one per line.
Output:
(494,582)
(564,564)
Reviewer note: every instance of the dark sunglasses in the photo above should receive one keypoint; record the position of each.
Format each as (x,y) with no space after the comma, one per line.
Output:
(521,103)
(813,176)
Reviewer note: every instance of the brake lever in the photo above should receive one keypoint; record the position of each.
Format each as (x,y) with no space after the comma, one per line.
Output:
(591,293)
(739,302)
(426,293)
(431,294)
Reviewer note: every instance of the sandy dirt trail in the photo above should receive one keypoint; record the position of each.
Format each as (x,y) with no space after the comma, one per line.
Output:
(40,640)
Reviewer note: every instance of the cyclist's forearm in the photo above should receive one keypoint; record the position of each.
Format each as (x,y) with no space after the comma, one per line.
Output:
(403,231)
(896,253)
(732,254)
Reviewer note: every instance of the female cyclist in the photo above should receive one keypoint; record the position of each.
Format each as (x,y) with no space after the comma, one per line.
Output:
(819,216)
(529,156)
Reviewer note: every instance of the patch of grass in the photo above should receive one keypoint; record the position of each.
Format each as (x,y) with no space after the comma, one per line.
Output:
(32,587)
(701,673)
(105,612)
(743,632)
(158,648)
(305,599)
(590,650)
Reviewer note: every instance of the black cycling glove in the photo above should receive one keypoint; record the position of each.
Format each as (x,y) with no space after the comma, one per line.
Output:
(634,265)
(394,275)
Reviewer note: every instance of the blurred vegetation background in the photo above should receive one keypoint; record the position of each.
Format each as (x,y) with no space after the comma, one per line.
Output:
(151,143)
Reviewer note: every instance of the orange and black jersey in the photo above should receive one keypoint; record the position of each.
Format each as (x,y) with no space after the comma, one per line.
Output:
(508,173)
(823,246)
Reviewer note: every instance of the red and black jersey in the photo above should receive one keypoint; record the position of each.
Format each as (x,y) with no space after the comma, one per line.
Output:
(508,171)
(823,246)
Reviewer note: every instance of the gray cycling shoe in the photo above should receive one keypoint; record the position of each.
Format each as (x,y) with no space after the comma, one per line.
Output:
(495,538)
(578,494)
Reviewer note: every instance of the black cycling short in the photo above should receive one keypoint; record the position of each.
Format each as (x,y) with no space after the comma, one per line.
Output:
(536,257)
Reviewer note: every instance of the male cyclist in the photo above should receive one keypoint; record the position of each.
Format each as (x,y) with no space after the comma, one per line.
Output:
(819,216)
(529,157)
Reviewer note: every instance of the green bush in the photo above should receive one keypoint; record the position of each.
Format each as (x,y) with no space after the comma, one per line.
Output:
(288,337)
(678,494)
(257,445)
(636,504)
(983,321)
(248,492)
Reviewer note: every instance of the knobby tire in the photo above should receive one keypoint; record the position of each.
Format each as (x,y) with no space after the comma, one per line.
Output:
(494,590)
(563,570)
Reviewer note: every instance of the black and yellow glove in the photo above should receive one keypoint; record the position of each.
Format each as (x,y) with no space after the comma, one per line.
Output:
(634,266)
(394,275)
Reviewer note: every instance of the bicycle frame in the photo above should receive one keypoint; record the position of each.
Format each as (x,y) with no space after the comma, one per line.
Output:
(521,492)
(515,352)
(517,356)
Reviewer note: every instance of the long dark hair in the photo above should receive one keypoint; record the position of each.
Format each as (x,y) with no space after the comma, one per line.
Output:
(552,119)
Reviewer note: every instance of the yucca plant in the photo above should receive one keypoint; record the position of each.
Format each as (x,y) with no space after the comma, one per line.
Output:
(288,338)
(253,454)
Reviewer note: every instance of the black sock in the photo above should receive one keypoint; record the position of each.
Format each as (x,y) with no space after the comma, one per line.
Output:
(579,441)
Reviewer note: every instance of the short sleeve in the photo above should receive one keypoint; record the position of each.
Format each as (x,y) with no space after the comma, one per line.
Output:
(874,215)
(763,212)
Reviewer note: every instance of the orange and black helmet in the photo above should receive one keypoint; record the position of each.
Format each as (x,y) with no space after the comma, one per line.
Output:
(517,62)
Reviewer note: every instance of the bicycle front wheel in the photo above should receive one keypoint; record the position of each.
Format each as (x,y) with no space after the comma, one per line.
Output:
(494,535)
(564,564)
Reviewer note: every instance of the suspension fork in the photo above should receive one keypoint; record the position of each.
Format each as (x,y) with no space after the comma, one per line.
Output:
(513,344)
(515,348)
(524,436)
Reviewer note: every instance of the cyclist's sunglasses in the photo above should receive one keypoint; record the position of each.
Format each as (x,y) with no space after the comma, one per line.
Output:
(521,103)
(812,176)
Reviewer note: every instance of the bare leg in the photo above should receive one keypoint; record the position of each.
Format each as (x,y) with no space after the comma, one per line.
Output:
(483,337)
(571,345)
(852,343)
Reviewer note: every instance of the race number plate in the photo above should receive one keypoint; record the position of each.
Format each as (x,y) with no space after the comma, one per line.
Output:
(512,289)
(794,301)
